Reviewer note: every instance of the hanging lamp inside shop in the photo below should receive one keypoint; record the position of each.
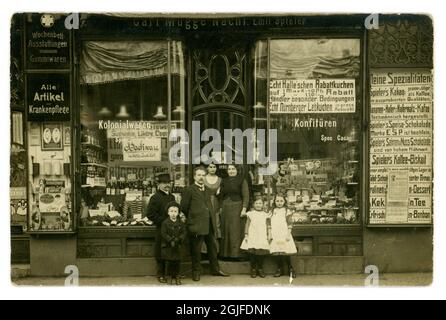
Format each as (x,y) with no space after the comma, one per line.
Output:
(123,114)
(259,105)
(104,112)
(178,109)
(160,114)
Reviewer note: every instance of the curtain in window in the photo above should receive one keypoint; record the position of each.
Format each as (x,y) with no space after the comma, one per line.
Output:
(308,59)
(109,61)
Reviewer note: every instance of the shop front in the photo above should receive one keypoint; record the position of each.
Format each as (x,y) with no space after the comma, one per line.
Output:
(100,106)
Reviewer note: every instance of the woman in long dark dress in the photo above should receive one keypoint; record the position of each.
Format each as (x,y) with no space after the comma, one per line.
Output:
(213,183)
(234,195)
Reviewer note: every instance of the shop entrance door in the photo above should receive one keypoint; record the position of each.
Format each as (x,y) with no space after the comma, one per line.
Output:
(219,87)
(221,119)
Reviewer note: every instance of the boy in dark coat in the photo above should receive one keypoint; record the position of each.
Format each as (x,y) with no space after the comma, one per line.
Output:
(173,233)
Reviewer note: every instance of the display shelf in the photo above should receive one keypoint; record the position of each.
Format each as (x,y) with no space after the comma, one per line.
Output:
(87,144)
(50,232)
(92,186)
(412,225)
(108,232)
(94,164)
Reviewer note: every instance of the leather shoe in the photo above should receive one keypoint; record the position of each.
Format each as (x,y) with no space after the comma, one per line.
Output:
(196,276)
(260,273)
(278,273)
(220,273)
(162,279)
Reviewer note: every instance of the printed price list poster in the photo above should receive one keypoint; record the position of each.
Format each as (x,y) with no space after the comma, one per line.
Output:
(401,138)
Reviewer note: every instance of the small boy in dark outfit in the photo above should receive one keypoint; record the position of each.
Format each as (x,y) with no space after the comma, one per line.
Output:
(173,233)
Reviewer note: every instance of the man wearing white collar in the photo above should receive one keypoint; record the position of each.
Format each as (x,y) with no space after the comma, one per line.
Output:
(196,205)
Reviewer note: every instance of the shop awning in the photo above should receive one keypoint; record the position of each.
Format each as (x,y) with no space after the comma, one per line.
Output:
(108,61)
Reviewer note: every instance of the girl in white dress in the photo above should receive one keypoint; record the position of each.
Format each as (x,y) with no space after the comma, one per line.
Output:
(257,237)
(282,245)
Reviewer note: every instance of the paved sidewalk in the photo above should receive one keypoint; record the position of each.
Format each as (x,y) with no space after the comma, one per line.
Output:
(394,279)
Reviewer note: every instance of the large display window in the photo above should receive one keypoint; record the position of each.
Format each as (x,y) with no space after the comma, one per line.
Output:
(132,95)
(309,90)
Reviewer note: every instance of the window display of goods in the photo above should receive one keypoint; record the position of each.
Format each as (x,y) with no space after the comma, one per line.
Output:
(101,218)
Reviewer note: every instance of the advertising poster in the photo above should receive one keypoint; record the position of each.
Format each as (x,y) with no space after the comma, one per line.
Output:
(48,97)
(312,96)
(47,41)
(52,136)
(141,149)
(401,147)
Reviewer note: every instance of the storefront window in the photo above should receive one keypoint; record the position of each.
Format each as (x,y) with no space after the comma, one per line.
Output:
(49,148)
(132,95)
(18,179)
(315,104)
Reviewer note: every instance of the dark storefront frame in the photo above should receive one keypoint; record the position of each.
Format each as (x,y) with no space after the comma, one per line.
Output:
(333,26)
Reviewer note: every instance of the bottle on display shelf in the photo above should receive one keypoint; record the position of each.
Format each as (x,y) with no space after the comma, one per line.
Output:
(153,187)
(112,186)
(93,140)
(144,188)
(121,186)
(149,187)
(88,136)
(83,175)
(116,184)
(108,188)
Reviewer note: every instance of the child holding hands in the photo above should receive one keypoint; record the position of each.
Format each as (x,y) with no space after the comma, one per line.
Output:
(173,233)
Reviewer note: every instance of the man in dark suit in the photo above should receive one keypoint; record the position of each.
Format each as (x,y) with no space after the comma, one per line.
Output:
(156,211)
(196,205)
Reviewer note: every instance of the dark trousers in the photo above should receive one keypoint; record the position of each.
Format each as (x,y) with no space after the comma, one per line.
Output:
(160,263)
(196,243)
(173,268)
(256,261)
